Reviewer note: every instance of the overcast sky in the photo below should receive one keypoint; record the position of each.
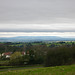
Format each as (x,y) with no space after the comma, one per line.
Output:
(42,17)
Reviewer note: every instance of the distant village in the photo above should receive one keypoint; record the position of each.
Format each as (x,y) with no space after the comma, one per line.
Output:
(8,54)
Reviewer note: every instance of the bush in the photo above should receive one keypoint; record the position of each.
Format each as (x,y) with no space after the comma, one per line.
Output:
(60,56)
(16,59)
(4,63)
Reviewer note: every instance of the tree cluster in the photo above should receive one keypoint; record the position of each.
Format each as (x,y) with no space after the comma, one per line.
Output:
(60,56)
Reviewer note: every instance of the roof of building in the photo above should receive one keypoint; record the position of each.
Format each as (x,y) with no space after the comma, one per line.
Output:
(8,53)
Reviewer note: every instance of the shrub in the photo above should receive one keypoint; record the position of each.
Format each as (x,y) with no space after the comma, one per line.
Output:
(16,59)
(60,56)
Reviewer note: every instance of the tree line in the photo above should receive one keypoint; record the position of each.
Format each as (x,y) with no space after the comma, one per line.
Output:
(42,54)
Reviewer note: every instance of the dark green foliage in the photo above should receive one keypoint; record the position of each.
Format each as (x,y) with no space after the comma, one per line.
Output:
(60,56)
(31,57)
(2,48)
(4,62)
(28,46)
(56,53)
(52,45)
(16,59)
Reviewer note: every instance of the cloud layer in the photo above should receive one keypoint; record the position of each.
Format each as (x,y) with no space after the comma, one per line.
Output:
(37,11)
(15,34)
(37,27)
(39,16)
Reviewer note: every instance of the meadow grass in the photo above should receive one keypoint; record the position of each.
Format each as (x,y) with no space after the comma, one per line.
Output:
(57,70)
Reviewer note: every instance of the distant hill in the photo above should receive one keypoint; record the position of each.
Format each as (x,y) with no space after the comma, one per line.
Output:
(34,38)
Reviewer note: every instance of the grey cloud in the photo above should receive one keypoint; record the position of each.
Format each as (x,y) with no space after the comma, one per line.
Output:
(37,27)
(37,30)
(37,11)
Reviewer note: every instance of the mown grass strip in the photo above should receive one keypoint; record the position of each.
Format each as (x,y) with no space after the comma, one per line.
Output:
(57,70)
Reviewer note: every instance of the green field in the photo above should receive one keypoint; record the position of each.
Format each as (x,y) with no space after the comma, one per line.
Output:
(57,70)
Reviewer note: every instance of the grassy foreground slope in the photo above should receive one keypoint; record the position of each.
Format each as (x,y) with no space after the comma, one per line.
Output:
(57,70)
